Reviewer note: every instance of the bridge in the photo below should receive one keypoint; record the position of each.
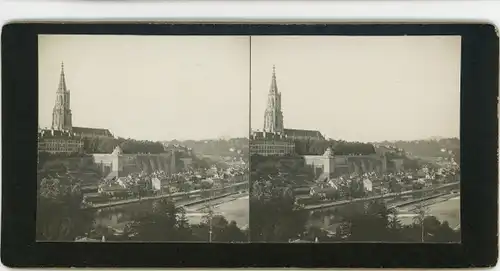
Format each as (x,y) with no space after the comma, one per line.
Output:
(181,196)
(384,196)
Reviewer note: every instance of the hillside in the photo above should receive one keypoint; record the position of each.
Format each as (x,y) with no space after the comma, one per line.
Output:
(445,147)
(78,167)
(234,147)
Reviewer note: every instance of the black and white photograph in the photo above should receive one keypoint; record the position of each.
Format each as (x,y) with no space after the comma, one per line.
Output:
(143,138)
(355,139)
(244,144)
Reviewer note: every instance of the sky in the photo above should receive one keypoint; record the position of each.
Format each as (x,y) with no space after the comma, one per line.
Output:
(361,88)
(150,87)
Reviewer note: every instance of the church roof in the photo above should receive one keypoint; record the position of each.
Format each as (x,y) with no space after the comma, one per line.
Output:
(305,133)
(48,133)
(97,131)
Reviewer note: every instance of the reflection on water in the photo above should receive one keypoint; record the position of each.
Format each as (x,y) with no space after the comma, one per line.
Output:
(118,217)
(446,210)
(237,210)
(443,209)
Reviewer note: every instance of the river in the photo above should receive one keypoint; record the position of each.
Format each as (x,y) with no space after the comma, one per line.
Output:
(444,209)
(234,207)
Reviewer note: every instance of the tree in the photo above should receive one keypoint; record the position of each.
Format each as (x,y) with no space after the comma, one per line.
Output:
(314,234)
(394,186)
(184,231)
(232,233)
(446,234)
(59,213)
(163,224)
(421,212)
(394,223)
(371,224)
(273,212)
(318,147)
(215,228)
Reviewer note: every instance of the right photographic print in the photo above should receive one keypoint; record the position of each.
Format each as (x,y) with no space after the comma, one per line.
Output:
(355,139)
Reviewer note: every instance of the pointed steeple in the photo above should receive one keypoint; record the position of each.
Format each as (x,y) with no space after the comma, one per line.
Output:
(274,85)
(273,116)
(61,114)
(62,80)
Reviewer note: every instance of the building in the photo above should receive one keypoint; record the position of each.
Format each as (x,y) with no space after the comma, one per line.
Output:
(62,115)
(271,144)
(299,134)
(63,137)
(55,142)
(275,139)
(330,165)
(273,116)
(118,164)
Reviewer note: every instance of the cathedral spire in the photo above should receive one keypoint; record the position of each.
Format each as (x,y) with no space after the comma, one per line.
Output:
(274,85)
(62,80)
(61,114)
(273,118)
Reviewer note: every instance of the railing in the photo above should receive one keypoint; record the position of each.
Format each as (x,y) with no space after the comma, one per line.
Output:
(206,200)
(401,204)
(173,195)
(384,196)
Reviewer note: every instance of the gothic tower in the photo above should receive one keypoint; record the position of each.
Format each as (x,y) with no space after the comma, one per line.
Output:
(61,115)
(273,118)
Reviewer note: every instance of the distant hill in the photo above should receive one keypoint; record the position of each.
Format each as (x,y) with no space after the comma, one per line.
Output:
(234,147)
(435,147)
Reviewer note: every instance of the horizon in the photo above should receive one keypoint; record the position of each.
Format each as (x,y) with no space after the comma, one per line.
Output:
(361,88)
(418,97)
(149,87)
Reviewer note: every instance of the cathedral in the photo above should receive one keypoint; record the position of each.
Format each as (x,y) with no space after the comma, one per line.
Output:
(275,139)
(61,115)
(63,137)
(273,117)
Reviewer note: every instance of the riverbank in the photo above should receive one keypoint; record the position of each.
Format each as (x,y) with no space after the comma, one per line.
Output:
(235,207)
(445,208)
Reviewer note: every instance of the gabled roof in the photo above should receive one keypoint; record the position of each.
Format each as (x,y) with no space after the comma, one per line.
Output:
(48,133)
(95,131)
(305,133)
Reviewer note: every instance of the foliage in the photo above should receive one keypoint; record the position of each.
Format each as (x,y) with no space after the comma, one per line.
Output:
(340,147)
(141,146)
(369,225)
(107,145)
(217,147)
(162,224)
(44,157)
(59,213)
(203,162)
(292,168)
(169,223)
(429,148)
(273,211)
(377,223)
(411,164)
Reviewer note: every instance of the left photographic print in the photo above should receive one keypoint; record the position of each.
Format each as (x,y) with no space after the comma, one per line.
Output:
(143,138)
